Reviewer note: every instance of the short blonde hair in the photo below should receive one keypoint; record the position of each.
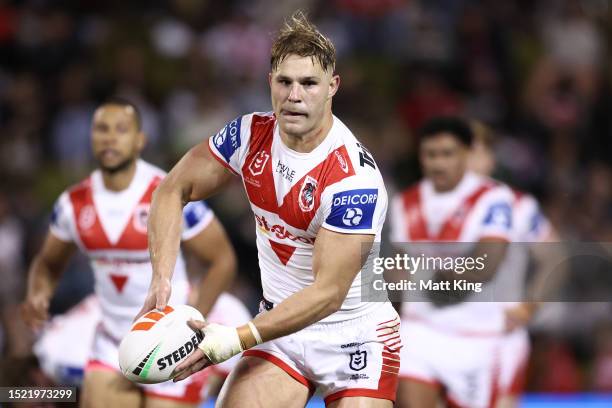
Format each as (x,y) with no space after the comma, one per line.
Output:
(300,37)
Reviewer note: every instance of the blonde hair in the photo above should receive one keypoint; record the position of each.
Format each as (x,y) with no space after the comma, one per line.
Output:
(300,37)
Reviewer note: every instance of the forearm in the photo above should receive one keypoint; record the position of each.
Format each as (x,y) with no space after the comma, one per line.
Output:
(218,279)
(299,310)
(43,278)
(164,231)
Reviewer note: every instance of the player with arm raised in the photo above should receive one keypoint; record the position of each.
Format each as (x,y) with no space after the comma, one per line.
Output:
(319,204)
(105,216)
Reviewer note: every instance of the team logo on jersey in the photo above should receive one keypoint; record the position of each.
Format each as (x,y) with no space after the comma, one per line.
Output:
(227,141)
(353,209)
(259,162)
(141,216)
(359,360)
(307,194)
(342,161)
(87,217)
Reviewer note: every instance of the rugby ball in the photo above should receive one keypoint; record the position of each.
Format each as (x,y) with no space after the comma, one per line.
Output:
(157,343)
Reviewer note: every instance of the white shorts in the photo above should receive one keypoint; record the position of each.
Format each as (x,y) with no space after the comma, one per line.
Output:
(514,357)
(62,364)
(464,368)
(344,359)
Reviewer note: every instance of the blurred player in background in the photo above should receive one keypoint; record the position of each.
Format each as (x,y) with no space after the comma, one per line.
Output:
(319,203)
(105,216)
(451,348)
(529,226)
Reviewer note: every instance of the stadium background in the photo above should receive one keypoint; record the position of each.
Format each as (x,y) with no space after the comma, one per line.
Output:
(537,72)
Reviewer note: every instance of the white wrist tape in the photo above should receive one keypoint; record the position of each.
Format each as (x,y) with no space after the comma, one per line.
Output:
(220,343)
(255,333)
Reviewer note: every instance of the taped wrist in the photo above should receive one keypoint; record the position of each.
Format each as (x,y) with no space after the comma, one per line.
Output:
(220,343)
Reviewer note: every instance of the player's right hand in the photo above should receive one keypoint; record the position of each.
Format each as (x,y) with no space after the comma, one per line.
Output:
(35,310)
(158,296)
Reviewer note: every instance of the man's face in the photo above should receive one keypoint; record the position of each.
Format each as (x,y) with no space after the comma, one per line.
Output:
(301,94)
(115,139)
(444,160)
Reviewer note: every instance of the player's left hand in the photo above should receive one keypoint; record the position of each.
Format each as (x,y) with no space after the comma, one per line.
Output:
(220,343)
(196,361)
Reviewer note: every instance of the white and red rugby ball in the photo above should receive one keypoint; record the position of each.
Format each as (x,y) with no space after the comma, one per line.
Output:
(157,343)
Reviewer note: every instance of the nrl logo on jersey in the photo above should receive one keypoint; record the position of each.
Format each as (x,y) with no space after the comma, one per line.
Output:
(307,194)
(259,162)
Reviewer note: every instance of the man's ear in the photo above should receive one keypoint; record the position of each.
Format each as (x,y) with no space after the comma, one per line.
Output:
(334,84)
(270,79)
(142,140)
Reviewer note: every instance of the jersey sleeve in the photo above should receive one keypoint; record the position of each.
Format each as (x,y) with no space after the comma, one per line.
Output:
(230,143)
(356,205)
(197,215)
(62,219)
(496,215)
(532,224)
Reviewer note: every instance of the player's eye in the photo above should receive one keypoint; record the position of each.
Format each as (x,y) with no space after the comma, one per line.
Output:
(100,127)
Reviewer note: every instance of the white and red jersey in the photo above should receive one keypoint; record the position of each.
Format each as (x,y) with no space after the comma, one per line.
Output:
(110,227)
(336,186)
(477,208)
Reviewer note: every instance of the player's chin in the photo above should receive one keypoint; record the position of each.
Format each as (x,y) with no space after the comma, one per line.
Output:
(295,128)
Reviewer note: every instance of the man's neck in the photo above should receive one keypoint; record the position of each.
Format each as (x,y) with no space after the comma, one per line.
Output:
(120,180)
(308,142)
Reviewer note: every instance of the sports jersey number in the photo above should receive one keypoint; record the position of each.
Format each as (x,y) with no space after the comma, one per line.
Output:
(365,157)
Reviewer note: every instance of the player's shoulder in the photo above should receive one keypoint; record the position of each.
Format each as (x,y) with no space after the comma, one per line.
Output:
(523,199)
(491,188)
(361,159)
(76,191)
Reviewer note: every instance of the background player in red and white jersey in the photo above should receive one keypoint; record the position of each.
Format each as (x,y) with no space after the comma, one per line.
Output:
(105,216)
(530,225)
(319,203)
(450,349)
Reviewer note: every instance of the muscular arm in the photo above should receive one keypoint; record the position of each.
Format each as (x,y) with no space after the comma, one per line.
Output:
(196,176)
(212,247)
(43,276)
(336,261)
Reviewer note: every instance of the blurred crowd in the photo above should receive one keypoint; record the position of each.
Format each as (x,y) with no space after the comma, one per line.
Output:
(537,72)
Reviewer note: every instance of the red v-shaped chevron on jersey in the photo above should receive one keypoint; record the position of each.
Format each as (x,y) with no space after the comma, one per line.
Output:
(283,251)
(119,281)
(93,237)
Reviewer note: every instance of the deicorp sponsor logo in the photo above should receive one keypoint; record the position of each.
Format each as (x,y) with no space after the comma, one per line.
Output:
(353,209)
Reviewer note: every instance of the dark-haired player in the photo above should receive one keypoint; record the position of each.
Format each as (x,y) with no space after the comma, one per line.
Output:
(451,347)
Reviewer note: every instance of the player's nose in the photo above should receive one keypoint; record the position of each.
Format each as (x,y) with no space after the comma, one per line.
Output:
(295,93)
